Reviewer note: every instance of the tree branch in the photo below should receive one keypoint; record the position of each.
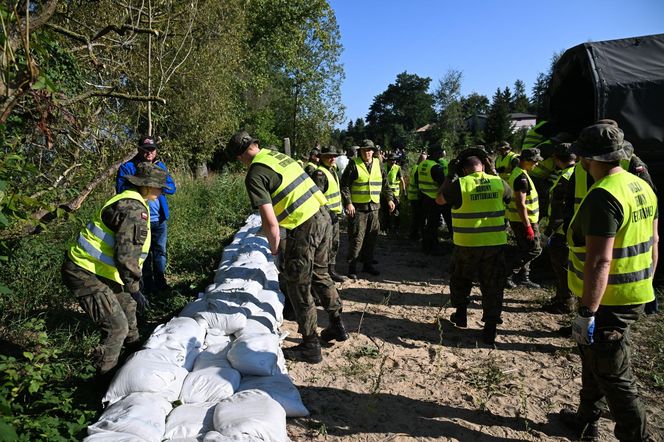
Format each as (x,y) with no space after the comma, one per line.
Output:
(111,94)
(122,29)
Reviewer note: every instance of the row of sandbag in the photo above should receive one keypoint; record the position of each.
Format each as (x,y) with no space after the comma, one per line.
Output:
(216,372)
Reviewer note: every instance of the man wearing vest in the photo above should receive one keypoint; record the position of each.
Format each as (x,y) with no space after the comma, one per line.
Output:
(416,216)
(613,253)
(430,176)
(103,269)
(286,197)
(325,177)
(154,270)
(563,301)
(362,184)
(312,161)
(390,221)
(478,203)
(505,160)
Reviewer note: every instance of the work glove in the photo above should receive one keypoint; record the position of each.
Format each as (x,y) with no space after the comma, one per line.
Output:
(142,302)
(582,330)
(530,233)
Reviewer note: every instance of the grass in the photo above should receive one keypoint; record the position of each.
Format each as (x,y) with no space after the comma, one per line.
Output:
(489,380)
(47,392)
(648,347)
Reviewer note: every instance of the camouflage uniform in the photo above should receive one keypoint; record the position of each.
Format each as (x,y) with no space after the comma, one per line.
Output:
(109,304)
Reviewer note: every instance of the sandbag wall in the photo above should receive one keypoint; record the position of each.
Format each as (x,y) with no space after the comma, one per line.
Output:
(216,372)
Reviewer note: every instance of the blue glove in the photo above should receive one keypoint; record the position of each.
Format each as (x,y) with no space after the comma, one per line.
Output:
(141,301)
(582,330)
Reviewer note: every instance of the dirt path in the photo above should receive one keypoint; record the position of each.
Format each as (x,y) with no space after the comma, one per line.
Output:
(408,374)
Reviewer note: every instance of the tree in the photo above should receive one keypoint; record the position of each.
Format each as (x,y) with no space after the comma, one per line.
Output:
(499,126)
(539,103)
(474,104)
(520,102)
(450,123)
(403,107)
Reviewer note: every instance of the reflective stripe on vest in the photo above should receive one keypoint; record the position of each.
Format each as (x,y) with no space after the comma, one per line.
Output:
(393,181)
(332,194)
(94,250)
(565,176)
(480,220)
(425,181)
(533,137)
(297,198)
(580,185)
(631,268)
(413,194)
(532,199)
(367,186)
(505,162)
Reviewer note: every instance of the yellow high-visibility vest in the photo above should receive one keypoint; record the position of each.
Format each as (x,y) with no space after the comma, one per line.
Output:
(426,183)
(413,194)
(332,193)
(94,250)
(565,175)
(297,198)
(367,186)
(393,181)
(480,220)
(631,269)
(532,199)
(504,162)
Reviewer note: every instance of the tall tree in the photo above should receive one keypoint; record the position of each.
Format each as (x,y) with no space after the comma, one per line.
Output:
(499,126)
(475,104)
(450,123)
(539,103)
(520,102)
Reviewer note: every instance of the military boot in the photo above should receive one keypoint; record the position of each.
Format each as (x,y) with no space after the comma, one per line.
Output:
(352,270)
(585,431)
(460,317)
(489,333)
(307,351)
(509,282)
(524,280)
(335,331)
(335,276)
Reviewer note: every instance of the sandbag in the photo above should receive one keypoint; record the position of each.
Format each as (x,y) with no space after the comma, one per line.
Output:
(215,436)
(210,384)
(113,436)
(140,414)
(280,387)
(146,372)
(255,354)
(224,317)
(189,421)
(182,335)
(215,337)
(213,356)
(251,413)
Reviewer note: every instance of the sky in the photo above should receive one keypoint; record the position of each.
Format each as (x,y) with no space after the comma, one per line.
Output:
(492,42)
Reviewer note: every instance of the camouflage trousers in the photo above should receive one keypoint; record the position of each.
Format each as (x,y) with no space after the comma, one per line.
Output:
(334,245)
(607,374)
(488,263)
(526,251)
(559,254)
(112,309)
(416,220)
(306,263)
(362,236)
(432,213)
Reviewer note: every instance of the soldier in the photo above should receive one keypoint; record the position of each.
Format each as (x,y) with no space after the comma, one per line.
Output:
(286,197)
(613,253)
(505,160)
(397,185)
(430,176)
(362,184)
(478,203)
(416,217)
(327,180)
(103,269)
(313,161)
(564,160)
(523,213)
(154,270)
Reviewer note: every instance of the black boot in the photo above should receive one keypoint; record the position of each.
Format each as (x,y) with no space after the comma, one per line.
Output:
(460,317)
(307,351)
(489,333)
(524,279)
(335,276)
(585,431)
(335,331)
(352,270)
(509,282)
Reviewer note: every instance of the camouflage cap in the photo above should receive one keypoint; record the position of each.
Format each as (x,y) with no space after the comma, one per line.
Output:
(562,137)
(367,144)
(503,145)
(601,142)
(149,175)
(531,154)
(238,143)
(391,157)
(329,150)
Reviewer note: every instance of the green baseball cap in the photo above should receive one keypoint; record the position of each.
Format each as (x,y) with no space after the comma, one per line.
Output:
(149,175)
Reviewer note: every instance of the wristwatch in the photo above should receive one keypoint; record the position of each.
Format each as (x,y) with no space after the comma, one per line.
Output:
(585,312)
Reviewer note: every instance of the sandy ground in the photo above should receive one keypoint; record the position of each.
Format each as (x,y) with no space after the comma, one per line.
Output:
(407,374)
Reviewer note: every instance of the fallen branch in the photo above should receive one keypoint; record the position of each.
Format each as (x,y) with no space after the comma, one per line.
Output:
(111,94)
(57,182)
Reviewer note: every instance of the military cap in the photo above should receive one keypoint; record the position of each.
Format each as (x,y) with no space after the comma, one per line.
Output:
(532,154)
(147,143)
(392,157)
(562,137)
(238,143)
(435,149)
(503,145)
(601,142)
(329,150)
(149,175)
(367,144)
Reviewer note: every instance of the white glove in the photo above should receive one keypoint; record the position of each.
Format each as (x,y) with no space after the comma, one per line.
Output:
(582,330)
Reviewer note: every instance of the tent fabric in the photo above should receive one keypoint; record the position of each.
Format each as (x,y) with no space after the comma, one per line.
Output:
(618,79)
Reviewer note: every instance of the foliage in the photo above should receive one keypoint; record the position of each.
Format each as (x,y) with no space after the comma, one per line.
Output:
(539,100)
(499,125)
(451,124)
(519,102)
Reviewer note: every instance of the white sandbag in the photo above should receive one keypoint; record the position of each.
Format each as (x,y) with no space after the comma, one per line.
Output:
(145,372)
(140,414)
(113,436)
(259,323)
(253,413)
(255,354)
(215,436)
(210,384)
(184,439)
(224,316)
(215,338)
(231,285)
(280,387)
(182,335)
(199,305)
(213,356)
(189,421)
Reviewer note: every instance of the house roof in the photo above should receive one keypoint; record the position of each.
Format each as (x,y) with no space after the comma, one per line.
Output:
(522,116)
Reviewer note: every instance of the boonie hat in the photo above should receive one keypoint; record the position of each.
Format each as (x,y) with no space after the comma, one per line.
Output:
(329,150)
(147,143)
(601,142)
(238,143)
(532,154)
(149,175)
(391,157)
(367,144)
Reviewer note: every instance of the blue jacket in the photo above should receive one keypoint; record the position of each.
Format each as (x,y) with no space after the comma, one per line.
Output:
(129,168)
